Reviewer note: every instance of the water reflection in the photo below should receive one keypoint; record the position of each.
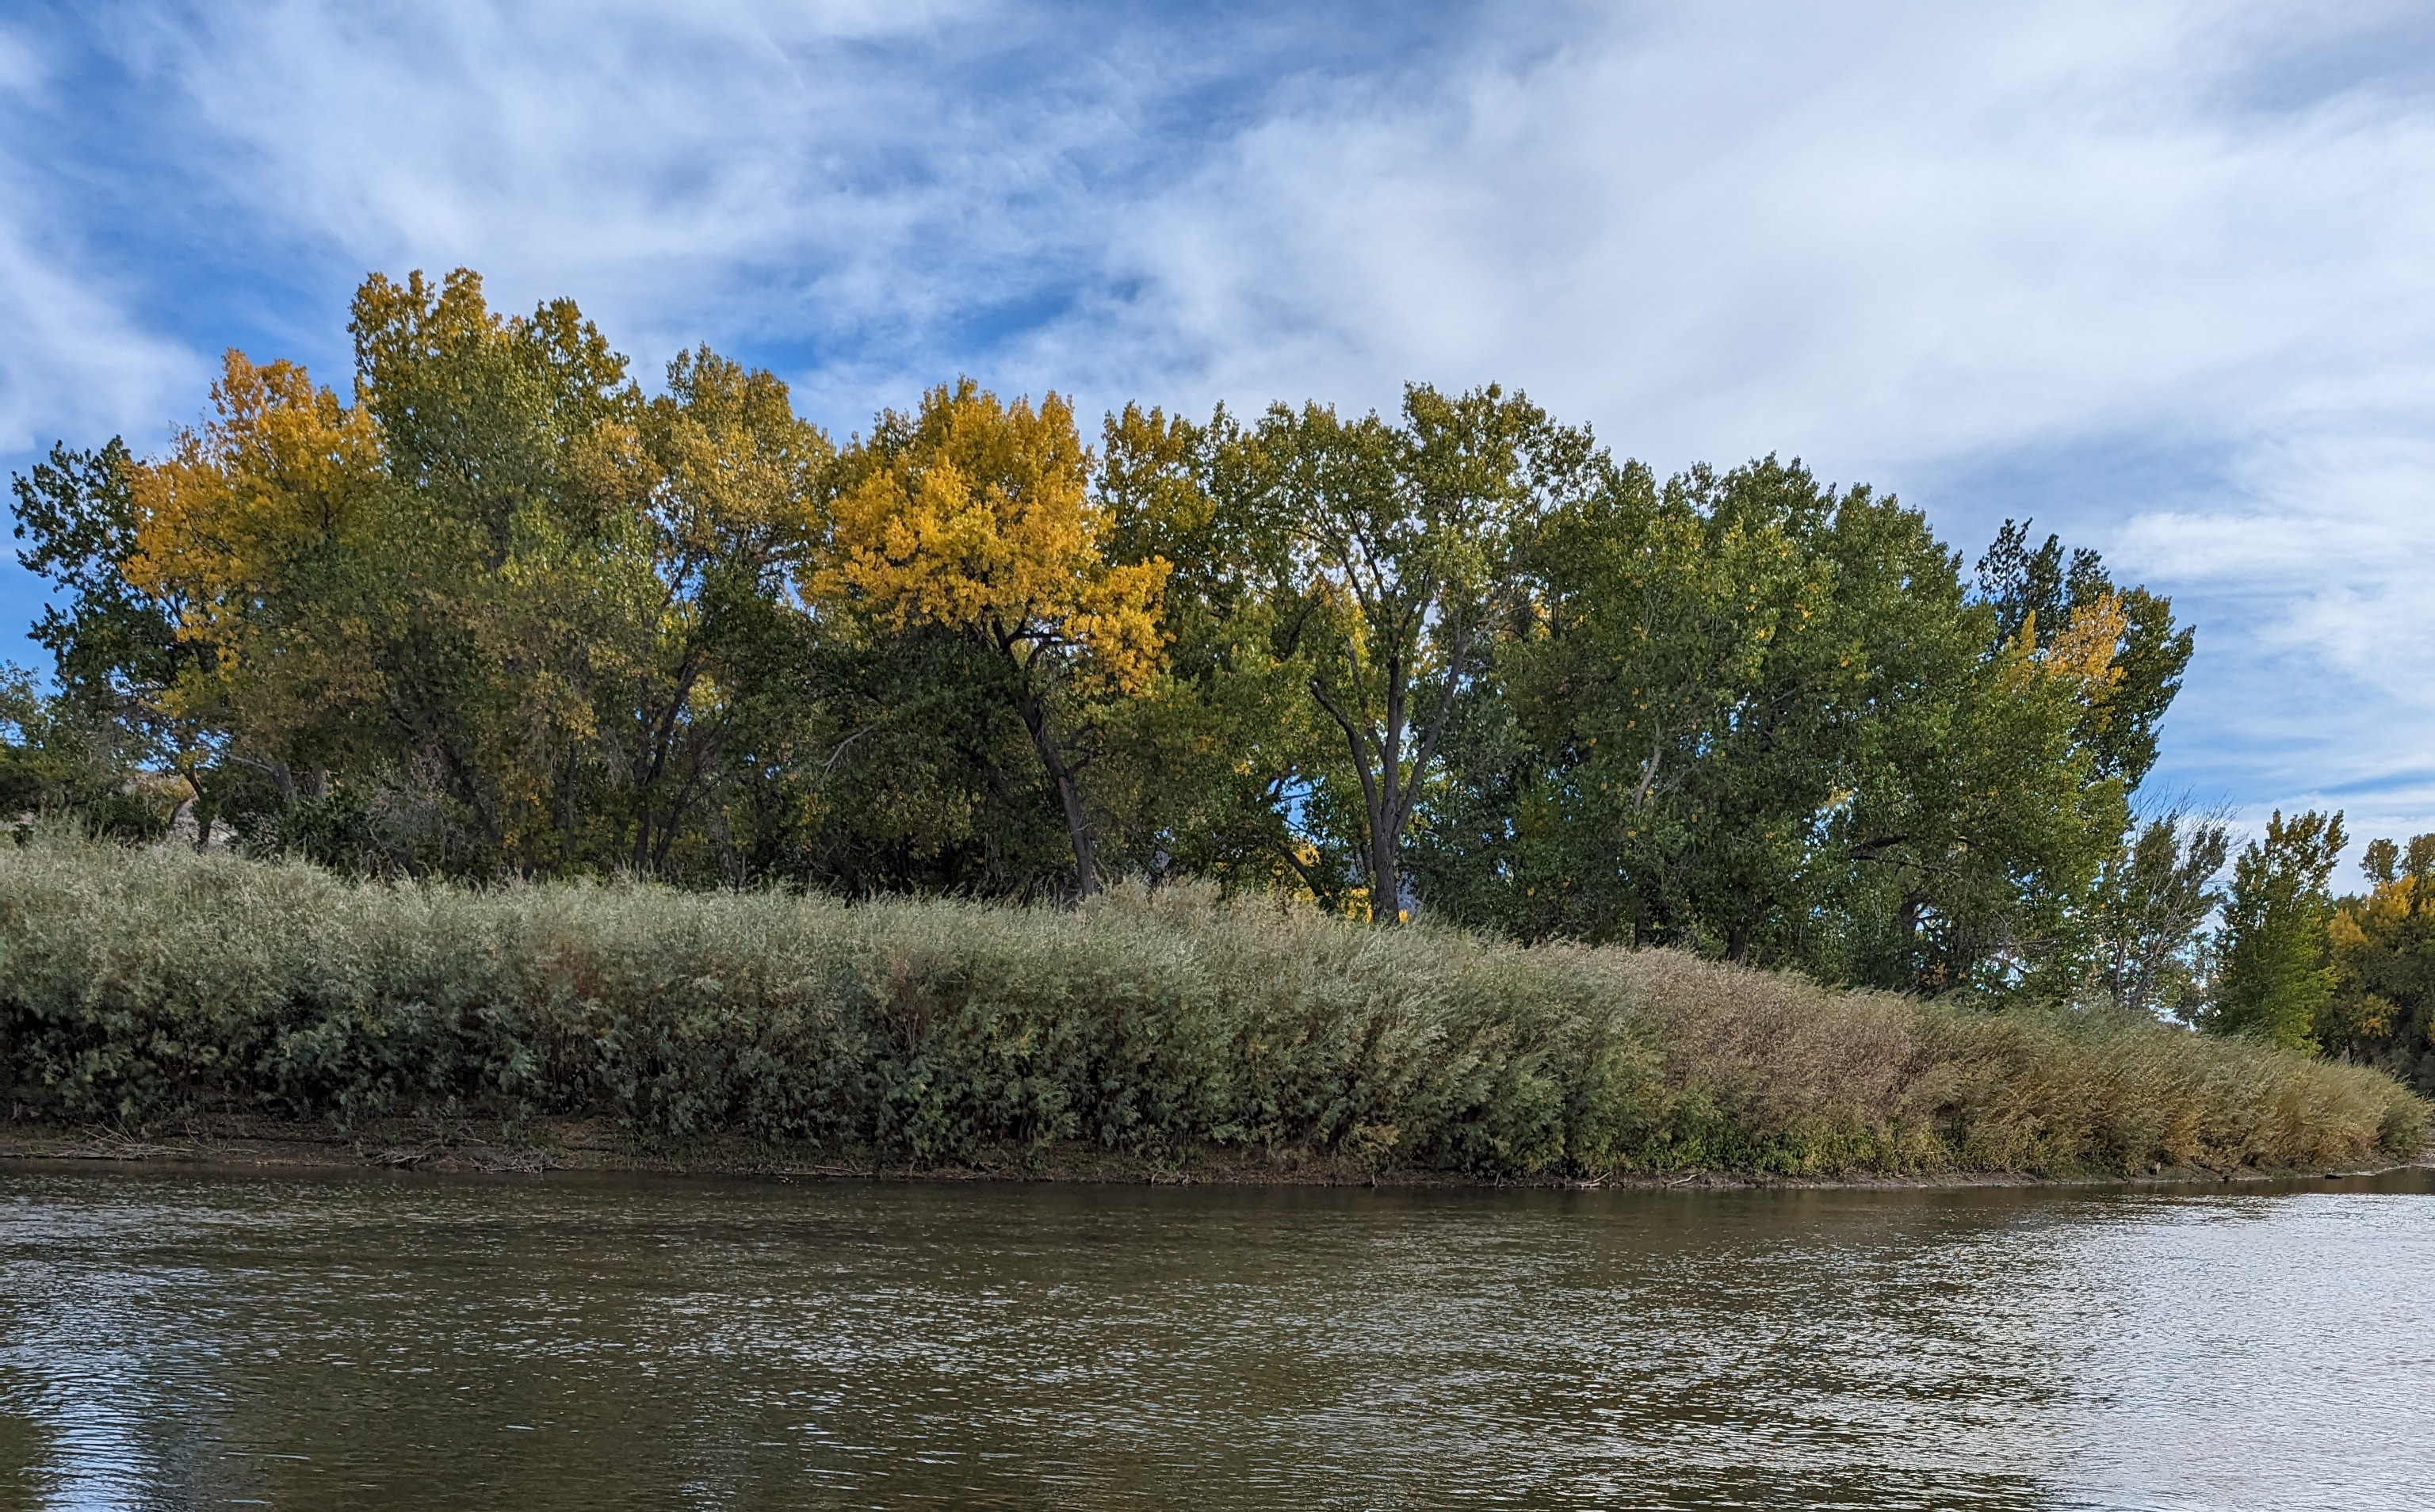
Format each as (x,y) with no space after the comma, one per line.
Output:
(179,1339)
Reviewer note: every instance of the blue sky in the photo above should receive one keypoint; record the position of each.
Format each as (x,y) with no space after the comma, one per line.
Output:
(2156,275)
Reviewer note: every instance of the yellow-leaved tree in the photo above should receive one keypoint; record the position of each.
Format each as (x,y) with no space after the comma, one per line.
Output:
(976,516)
(264,527)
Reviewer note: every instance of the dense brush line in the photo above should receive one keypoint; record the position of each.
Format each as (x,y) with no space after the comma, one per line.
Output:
(141,984)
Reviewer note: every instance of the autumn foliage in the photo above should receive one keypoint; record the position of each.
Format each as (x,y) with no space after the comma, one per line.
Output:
(976,518)
(499,609)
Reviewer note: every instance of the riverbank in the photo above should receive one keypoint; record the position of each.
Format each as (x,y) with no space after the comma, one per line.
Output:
(150,992)
(595,1145)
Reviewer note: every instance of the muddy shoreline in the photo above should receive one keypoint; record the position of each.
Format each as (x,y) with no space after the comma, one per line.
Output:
(539,1148)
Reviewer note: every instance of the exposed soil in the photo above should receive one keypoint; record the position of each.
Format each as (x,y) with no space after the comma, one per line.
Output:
(537,1146)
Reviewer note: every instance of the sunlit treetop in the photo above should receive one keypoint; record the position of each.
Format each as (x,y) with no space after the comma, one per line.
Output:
(976,515)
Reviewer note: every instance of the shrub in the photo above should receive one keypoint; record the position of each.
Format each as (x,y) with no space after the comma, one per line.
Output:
(138,984)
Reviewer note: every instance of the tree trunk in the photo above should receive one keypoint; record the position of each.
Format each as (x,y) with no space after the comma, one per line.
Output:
(1378,857)
(1069,793)
(1387,795)
(1385,875)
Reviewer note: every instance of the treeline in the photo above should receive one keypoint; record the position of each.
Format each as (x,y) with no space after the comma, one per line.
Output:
(2352,976)
(504,613)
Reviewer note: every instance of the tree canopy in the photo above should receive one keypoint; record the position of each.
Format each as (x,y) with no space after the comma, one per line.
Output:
(499,610)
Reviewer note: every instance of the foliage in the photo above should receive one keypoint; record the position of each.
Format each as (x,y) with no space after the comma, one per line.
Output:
(2155,897)
(1752,715)
(1216,769)
(976,516)
(149,983)
(2277,969)
(2382,1007)
(56,761)
(497,612)
(1394,556)
(117,648)
(2062,602)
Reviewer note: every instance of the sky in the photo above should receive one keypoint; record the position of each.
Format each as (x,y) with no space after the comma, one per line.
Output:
(2156,276)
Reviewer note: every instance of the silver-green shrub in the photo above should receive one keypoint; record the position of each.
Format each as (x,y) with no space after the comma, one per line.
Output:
(139,983)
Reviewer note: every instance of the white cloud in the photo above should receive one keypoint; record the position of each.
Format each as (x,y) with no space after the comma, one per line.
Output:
(1904,244)
(71,361)
(1954,229)
(731,170)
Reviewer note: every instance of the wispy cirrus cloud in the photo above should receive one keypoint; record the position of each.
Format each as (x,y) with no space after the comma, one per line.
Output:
(872,192)
(70,356)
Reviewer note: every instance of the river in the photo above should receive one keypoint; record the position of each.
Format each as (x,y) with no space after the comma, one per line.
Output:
(179,1338)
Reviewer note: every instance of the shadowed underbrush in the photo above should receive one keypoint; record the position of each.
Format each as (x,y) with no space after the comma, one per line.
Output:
(139,985)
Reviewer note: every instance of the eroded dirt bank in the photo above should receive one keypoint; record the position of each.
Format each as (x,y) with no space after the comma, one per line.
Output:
(540,1147)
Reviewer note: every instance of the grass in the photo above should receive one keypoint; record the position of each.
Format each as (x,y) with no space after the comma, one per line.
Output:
(141,985)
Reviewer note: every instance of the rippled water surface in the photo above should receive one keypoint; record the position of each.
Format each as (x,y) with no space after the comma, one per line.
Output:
(185,1339)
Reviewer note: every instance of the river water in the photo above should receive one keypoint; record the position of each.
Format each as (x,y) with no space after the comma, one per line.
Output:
(176,1339)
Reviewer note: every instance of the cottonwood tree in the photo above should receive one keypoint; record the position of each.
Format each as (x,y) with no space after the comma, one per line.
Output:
(271,527)
(1667,677)
(2048,592)
(116,648)
(1215,762)
(725,477)
(516,569)
(1979,818)
(2382,1007)
(2155,897)
(2276,970)
(976,516)
(1753,714)
(1396,558)
(500,613)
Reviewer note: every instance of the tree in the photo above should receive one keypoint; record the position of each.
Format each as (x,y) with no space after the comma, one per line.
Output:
(1970,822)
(2154,897)
(116,648)
(728,476)
(57,761)
(264,527)
(2382,1007)
(976,516)
(500,613)
(112,645)
(1397,559)
(2276,971)
(1760,717)
(522,572)
(1212,770)
(2047,592)
(1669,681)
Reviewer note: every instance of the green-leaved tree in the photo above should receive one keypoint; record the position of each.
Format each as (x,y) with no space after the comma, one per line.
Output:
(2275,970)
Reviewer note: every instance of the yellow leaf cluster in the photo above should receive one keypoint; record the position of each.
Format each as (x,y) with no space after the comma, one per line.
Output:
(281,470)
(2084,655)
(976,515)
(2371,935)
